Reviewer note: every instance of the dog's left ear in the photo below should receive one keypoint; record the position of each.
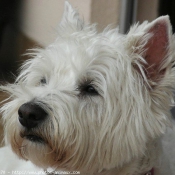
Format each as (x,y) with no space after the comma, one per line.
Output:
(153,44)
(71,19)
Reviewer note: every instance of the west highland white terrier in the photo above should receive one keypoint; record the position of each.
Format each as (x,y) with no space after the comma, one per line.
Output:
(94,102)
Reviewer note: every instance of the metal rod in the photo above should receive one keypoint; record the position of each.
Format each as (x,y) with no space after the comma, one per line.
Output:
(128,13)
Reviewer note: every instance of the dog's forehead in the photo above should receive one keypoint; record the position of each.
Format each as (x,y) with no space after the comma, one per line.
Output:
(75,58)
(80,52)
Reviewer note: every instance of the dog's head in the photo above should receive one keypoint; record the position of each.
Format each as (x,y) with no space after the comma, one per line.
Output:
(92,100)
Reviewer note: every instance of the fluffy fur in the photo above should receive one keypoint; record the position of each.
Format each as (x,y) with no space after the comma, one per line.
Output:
(117,130)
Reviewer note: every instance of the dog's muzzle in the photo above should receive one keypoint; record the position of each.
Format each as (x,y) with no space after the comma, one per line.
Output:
(31,115)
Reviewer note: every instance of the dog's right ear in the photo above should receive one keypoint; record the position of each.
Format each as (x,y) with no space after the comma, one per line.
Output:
(153,45)
(71,20)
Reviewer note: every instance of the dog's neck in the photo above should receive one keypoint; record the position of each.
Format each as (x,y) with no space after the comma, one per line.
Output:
(145,163)
(127,171)
(151,172)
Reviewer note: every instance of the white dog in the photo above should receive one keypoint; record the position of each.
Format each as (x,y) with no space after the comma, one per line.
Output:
(93,102)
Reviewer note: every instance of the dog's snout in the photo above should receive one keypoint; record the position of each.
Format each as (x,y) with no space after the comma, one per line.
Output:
(31,115)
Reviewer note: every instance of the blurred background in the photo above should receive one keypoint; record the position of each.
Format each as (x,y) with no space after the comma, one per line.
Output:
(25,24)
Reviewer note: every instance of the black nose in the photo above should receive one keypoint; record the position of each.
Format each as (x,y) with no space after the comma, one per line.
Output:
(31,115)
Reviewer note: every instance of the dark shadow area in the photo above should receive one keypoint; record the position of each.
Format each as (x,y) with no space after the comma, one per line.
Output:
(168,8)
(9,22)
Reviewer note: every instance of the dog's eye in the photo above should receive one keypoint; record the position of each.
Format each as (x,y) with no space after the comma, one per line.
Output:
(43,81)
(89,90)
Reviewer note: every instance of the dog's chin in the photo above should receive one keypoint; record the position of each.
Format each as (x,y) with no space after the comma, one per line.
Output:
(30,146)
(32,137)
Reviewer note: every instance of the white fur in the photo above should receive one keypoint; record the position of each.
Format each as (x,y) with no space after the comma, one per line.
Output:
(10,164)
(115,132)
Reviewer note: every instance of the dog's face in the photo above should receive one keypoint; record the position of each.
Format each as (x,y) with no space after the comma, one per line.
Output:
(92,101)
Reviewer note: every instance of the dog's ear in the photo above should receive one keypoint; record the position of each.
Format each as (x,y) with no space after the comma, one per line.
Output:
(71,19)
(153,44)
